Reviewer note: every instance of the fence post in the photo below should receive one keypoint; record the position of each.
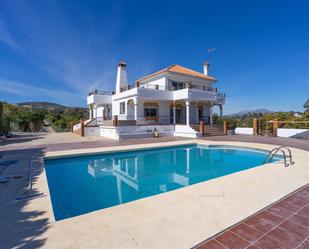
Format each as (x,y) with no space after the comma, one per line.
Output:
(202,127)
(82,128)
(255,127)
(115,120)
(275,128)
(225,127)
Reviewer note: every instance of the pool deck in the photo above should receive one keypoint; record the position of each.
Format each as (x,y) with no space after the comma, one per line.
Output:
(177,219)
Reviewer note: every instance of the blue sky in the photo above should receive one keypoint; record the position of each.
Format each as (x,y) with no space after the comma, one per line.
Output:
(59,50)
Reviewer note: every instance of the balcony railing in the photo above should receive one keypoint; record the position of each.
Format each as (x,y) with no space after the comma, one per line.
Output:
(159,87)
(99,92)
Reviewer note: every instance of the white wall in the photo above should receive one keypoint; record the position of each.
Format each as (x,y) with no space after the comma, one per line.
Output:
(163,130)
(109,132)
(185,131)
(161,82)
(98,99)
(119,131)
(92,131)
(289,132)
(76,127)
(244,130)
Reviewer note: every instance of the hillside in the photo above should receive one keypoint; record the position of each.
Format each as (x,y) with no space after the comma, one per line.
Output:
(246,112)
(46,106)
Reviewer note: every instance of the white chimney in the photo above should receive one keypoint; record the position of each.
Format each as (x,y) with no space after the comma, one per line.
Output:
(122,80)
(206,67)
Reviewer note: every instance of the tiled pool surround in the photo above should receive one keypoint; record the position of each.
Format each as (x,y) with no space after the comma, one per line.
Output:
(284,224)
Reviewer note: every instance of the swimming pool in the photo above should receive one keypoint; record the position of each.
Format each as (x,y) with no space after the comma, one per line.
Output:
(79,185)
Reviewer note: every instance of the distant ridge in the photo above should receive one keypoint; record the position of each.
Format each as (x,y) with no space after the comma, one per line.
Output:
(256,111)
(46,106)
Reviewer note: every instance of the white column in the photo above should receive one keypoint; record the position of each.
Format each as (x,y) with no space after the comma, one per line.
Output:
(221,110)
(188,113)
(91,112)
(188,161)
(210,115)
(119,189)
(197,121)
(174,115)
(135,110)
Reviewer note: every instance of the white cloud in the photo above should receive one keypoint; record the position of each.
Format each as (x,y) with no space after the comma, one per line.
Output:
(7,38)
(25,90)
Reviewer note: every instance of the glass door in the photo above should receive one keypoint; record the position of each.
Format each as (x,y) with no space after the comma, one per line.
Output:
(179,115)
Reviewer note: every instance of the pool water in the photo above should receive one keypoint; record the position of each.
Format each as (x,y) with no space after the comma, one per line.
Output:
(79,185)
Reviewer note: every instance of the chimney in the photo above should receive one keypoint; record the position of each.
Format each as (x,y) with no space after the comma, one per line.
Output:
(122,80)
(206,67)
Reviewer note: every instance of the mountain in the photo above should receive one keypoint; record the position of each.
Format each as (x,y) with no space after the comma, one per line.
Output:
(246,112)
(46,106)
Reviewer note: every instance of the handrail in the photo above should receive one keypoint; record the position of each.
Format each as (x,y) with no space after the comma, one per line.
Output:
(30,195)
(274,151)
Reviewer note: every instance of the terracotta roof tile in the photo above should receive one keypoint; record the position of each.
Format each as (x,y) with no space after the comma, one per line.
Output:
(178,69)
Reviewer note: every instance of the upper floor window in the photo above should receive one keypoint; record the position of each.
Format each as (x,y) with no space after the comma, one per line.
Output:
(122,108)
(178,85)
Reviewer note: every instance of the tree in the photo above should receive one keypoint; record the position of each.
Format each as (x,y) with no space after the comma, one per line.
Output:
(36,120)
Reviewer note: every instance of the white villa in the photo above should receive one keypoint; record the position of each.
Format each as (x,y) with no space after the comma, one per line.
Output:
(172,101)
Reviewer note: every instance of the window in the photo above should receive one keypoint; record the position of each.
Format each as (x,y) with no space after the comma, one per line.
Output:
(150,112)
(177,85)
(122,108)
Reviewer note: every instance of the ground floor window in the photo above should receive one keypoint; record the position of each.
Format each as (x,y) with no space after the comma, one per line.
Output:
(122,108)
(150,112)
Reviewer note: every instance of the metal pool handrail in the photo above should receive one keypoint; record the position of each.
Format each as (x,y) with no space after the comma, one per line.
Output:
(30,195)
(274,151)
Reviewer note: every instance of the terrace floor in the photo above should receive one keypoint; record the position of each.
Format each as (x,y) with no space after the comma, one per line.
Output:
(284,224)
(281,225)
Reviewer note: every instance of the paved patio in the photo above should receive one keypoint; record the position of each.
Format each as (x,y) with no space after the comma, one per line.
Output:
(69,141)
(285,224)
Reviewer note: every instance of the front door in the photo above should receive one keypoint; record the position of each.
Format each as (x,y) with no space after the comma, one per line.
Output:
(179,115)
(200,114)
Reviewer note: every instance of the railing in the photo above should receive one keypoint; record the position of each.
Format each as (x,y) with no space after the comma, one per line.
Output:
(171,88)
(158,87)
(99,121)
(99,92)
(274,152)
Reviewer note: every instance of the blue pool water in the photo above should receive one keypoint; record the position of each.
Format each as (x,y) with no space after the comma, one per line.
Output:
(80,185)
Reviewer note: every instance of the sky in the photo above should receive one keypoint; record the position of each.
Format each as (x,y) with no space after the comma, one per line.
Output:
(58,51)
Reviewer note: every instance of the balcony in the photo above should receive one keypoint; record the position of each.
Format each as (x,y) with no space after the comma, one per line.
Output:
(99,97)
(191,94)
(158,92)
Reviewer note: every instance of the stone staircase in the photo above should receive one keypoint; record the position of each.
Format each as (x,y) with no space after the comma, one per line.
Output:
(209,130)
(77,131)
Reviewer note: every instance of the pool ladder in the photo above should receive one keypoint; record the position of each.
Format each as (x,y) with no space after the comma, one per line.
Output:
(282,149)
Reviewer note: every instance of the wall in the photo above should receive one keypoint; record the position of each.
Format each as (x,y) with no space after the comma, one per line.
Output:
(185,131)
(109,132)
(76,127)
(164,112)
(99,99)
(92,131)
(160,81)
(243,130)
(123,131)
(289,132)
